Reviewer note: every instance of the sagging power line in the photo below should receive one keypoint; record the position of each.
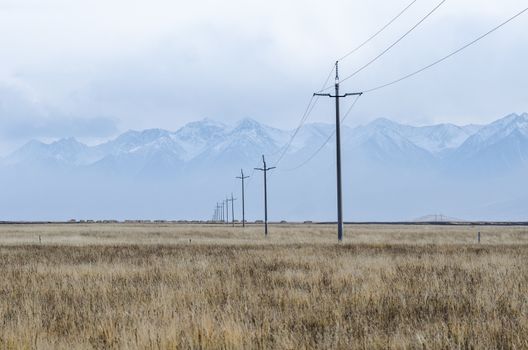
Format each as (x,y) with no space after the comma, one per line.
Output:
(407,76)
(327,140)
(306,114)
(314,99)
(351,52)
(360,69)
(337,96)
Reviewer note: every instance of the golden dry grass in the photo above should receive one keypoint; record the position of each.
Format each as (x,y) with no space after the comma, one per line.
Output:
(149,287)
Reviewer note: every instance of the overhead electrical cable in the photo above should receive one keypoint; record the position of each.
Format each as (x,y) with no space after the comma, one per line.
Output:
(449,55)
(351,52)
(390,46)
(518,14)
(307,112)
(326,141)
(314,99)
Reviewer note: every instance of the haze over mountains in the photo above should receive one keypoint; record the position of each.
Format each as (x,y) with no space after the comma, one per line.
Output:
(391,172)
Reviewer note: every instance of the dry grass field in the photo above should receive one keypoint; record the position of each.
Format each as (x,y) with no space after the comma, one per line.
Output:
(169,286)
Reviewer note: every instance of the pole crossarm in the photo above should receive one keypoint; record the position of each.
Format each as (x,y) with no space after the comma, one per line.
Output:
(352,94)
(340,96)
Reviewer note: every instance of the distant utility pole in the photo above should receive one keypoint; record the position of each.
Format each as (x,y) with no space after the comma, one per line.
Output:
(232,209)
(265,170)
(227,210)
(223,211)
(242,177)
(338,151)
(217,212)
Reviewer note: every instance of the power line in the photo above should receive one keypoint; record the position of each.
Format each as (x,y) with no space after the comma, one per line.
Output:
(411,75)
(307,112)
(326,141)
(315,99)
(250,177)
(391,46)
(351,52)
(449,55)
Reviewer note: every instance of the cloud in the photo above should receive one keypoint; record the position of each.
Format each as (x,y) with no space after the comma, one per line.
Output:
(22,119)
(163,63)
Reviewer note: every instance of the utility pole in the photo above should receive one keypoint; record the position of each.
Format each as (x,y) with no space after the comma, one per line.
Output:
(227,210)
(223,211)
(232,209)
(338,151)
(265,170)
(242,177)
(217,212)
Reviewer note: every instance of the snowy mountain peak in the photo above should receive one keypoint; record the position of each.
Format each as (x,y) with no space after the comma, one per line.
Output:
(200,129)
(383,123)
(512,118)
(501,129)
(67,143)
(248,124)
(432,138)
(66,150)
(207,139)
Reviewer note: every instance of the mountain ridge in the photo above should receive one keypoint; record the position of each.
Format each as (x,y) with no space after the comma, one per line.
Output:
(207,139)
(391,172)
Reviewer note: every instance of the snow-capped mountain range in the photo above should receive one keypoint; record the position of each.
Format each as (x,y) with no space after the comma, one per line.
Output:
(208,139)
(388,159)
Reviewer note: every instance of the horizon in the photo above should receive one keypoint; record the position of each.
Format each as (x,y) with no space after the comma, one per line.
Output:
(393,172)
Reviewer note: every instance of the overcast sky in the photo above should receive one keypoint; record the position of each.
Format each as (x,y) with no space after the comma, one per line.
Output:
(94,68)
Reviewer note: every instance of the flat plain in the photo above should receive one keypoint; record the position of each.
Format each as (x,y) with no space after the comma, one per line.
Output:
(171,286)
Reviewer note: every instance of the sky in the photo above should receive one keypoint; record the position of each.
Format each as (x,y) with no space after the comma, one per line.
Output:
(94,68)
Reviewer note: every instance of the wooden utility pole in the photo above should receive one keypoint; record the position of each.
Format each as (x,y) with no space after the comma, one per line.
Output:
(265,170)
(227,210)
(338,152)
(232,200)
(242,178)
